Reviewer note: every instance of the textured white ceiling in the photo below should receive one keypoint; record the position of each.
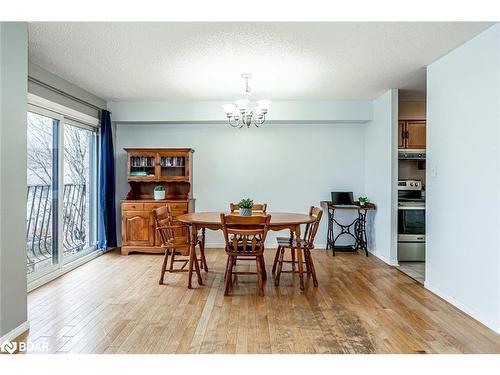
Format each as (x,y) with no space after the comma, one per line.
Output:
(203,61)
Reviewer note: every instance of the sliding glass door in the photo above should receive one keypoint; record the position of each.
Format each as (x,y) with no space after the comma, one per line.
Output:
(42,194)
(62,191)
(79,196)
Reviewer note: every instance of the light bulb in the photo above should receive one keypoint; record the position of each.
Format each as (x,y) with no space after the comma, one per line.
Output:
(263,105)
(242,105)
(229,109)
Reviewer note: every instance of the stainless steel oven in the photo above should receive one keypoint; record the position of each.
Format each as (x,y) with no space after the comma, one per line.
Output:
(411,221)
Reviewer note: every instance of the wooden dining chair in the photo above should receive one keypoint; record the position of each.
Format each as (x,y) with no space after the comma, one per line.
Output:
(257,207)
(306,245)
(245,237)
(163,216)
(175,243)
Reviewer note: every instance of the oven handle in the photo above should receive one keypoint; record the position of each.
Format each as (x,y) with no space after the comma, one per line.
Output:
(411,208)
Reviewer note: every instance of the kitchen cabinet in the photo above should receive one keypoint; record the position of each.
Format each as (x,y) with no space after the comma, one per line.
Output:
(401,134)
(412,134)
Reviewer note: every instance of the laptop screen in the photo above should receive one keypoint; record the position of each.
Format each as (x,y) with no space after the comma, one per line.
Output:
(342,198)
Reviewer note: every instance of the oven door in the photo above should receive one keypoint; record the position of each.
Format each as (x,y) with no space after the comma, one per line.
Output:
(411,221)
(411,234)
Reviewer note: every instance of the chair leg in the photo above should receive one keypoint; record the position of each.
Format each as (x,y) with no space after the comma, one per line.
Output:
(260,275)
(307,258)
(229,274)
(313,270)
(227,267)
(164,266)
(172,259)
(280,266)
(263,268)
(276,257)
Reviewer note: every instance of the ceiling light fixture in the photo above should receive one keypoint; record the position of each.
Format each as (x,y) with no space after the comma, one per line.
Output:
(239,114)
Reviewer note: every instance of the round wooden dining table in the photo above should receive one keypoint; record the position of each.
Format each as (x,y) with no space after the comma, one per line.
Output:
(211,220)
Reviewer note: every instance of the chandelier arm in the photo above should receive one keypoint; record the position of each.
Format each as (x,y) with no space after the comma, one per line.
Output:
(233,122)
(258,122)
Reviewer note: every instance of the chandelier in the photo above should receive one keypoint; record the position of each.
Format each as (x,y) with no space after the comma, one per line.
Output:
(240,114)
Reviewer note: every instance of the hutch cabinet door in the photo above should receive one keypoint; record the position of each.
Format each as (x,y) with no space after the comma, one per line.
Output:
(141,166)
(401,134)
(173,165)
(416,134)
(137,228)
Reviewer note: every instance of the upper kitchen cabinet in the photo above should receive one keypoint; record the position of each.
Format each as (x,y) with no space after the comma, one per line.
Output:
(412,116)
(415,134)
(401,134)
(412,134)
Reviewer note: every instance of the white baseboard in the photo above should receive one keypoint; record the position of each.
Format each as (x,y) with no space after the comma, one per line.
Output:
(215,245)
(391,262)
(495,326)
(10,336)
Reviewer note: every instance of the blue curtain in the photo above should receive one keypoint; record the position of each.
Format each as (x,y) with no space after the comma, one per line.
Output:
(107,217)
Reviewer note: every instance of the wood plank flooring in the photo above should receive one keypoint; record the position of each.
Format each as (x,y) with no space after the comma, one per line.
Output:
(114,304)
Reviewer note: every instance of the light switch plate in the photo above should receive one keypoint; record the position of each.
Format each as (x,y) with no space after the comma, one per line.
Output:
(434,171)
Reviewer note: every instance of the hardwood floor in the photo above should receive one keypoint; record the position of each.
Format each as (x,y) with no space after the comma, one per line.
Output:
(115,305)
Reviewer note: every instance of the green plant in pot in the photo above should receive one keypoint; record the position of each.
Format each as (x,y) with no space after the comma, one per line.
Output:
(245,206)
(362,201)
(159,192)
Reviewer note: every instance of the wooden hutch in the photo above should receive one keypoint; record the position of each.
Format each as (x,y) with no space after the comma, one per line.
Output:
(147,168)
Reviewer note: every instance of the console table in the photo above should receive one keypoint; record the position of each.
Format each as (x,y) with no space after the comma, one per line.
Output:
(356,229)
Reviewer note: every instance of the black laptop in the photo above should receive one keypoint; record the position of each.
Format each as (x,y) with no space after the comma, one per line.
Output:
(343,198)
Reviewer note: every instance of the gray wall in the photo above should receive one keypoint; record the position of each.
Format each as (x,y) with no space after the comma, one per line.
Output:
(290,167)
(463,177)
(13,92)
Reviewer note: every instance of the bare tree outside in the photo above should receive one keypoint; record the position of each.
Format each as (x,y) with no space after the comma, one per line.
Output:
(78,144)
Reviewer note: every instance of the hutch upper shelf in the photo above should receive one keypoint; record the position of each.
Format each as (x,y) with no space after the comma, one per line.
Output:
(173,164)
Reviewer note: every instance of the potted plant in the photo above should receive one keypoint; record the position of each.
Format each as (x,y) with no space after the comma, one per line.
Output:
(245,207)
(159,192)
(362,201)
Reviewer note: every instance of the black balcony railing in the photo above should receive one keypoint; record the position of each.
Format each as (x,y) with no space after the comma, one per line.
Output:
(40,232)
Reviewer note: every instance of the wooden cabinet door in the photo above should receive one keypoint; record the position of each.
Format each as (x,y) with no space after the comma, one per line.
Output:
(137,228)
(401,134)
(142,165)
(173,165)
(416,134)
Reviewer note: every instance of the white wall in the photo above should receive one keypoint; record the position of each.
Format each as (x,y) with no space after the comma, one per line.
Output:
(381,175)
(290,167)
(13,94)
(463,199)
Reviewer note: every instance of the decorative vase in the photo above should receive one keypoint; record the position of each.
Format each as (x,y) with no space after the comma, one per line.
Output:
(362,204)
(245,212)
(159,194)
